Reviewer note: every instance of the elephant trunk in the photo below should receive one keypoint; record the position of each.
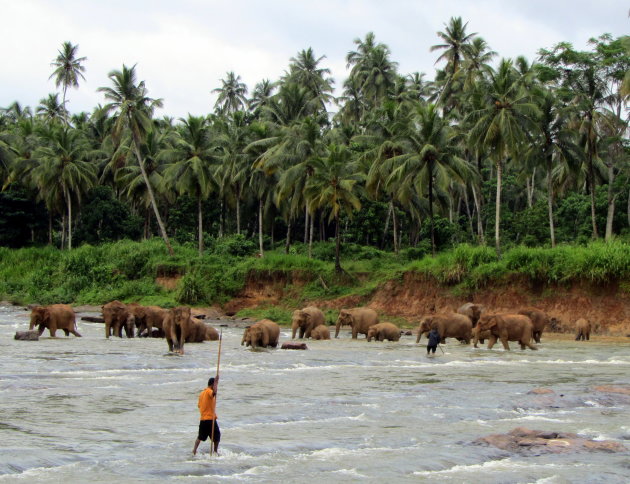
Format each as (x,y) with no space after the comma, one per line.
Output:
(337,326)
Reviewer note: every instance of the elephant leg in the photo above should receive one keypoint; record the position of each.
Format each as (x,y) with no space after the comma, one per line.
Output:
(419,336)
(492,341)
(355,333)
(506,346)
(66,332)
(302,331)
(53,330)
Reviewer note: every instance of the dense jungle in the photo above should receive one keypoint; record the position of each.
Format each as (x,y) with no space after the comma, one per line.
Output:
(410,194)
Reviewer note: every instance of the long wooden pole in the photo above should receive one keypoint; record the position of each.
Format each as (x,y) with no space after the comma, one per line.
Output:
(214,420)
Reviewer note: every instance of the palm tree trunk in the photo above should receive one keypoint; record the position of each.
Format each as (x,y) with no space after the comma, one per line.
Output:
(477,202)
(260,228)
(591,177)
(310,236)
(611,203)
(552,231)
(395,226)
(145,177)
(431,214)
(50,228)
(497,215)
(306,223)
(63,231)
(222,218)
(469,214)
(69,201)
(287,244)
(238,209)
(389,214)
(200,225)
(337,245)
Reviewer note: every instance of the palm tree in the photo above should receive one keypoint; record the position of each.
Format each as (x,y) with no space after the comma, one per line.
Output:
(235,168)
(429,156)
(260,96)
(50,109)
(191,169)
(68,68)
(134,109)
(502,123)
(555,144)
(456,44)
(231,94)
(304,70)
(63,162)
(333,188)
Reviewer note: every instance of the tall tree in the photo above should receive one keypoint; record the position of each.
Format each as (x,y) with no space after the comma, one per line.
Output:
(333,187)
(64,162)
(231,95)
(134,109)
(502,124)
(191,169)
(68,69)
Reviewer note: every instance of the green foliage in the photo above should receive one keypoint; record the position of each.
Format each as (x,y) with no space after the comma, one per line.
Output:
(280,315)
(236,245)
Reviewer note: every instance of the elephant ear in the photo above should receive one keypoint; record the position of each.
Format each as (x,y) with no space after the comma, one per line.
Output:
(492,322)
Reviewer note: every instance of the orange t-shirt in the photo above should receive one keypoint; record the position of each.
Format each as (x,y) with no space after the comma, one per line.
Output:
(207,404)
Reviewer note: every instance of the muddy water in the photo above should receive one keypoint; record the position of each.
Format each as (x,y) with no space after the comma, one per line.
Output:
(95,410)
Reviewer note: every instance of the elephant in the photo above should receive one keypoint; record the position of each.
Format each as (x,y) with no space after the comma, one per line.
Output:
(117,316)
(583,328)
(359,319)
(448,325)
(539,320)
(473,311)
(320,332)
(306,319)
(178,327)
(200,332)
(54,317)
(507,327)
(479,336)
(147,318)
(263,333)
(383,331)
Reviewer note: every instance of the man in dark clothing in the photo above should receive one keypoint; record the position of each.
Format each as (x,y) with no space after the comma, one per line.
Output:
(434,340)
(208,426)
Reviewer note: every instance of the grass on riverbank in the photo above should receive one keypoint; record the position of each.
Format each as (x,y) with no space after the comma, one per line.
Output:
(128,271)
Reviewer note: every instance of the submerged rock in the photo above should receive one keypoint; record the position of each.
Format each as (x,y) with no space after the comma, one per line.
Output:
(32,335)
(535,442)
(290,345)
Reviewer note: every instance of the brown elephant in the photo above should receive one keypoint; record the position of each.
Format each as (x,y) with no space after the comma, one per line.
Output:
(178,327)
(200,332)
(54,317)
(147,318)
(583,329)
(539,320)
(320,332)
(383,331)
(118,316)
(359,319)
(263,333)
(448,325)
(473,311)
(479,336)
(507,327)
(306,319)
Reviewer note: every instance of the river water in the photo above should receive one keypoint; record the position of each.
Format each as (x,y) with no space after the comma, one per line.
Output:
(95,410)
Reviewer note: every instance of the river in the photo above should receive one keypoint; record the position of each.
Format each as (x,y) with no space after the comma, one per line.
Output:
(124,410)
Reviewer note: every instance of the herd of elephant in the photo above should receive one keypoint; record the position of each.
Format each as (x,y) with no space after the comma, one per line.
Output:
(178,325)
(468,323)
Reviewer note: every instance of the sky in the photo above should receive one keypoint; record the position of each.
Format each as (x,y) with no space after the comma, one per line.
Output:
(184,48)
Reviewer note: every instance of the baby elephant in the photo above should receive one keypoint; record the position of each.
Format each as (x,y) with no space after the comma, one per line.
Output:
(583,328)
(320,332)
(383,331)
(263,333)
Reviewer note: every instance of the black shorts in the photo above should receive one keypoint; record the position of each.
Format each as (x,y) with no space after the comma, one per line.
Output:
(205,430)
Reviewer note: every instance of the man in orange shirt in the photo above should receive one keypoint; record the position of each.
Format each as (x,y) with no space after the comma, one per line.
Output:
(207,405)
